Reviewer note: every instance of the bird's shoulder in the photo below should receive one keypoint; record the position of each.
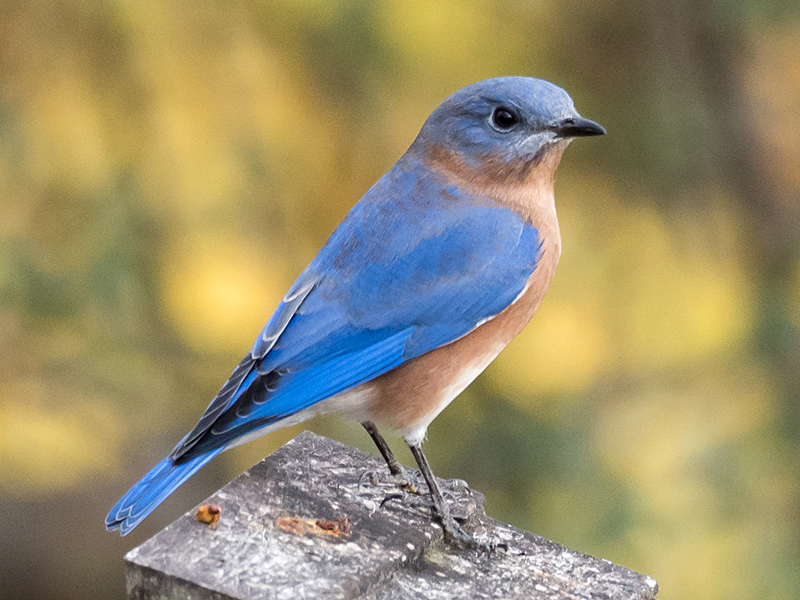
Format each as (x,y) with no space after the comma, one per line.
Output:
(414,215)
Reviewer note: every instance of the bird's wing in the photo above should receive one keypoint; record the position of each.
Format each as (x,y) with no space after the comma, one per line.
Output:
(369,303)
(269,335)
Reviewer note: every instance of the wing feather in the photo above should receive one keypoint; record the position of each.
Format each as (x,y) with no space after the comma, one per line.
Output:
(244,374)
(367,304)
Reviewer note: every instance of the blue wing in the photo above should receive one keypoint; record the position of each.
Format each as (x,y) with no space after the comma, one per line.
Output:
(244,375)
(440,268)
(415,265)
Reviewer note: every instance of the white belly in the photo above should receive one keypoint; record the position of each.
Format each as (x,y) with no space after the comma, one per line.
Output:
(416,432)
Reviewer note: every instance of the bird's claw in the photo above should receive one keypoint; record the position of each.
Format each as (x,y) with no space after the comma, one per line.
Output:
(402,481)
(455,535)
(453,531)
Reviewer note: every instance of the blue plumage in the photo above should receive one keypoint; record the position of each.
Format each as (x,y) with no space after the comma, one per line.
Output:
(418,263)
(152,490)
(356,322)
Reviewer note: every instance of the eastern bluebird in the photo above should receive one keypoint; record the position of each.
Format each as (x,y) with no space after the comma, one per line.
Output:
(429,276)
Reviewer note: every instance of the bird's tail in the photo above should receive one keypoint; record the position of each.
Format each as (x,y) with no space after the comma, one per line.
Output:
(152,490)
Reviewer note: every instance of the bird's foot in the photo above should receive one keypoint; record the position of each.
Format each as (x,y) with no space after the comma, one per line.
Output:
(455,534)
(402,480)
(453,531)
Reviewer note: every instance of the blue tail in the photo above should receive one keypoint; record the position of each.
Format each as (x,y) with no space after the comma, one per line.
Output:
(152,490)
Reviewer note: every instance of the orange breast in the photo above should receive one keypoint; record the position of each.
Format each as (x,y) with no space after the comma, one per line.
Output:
(408,398)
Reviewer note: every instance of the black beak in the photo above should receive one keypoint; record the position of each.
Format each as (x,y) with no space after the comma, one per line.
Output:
(577,127)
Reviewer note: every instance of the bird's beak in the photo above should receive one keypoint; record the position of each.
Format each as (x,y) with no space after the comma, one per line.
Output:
(576,127)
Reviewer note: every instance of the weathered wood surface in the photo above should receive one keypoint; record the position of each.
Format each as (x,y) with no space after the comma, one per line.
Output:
(307,523)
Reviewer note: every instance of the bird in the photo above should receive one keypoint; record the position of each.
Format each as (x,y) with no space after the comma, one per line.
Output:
(440,264)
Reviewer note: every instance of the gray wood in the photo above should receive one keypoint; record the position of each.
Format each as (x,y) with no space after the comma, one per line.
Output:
(392,552)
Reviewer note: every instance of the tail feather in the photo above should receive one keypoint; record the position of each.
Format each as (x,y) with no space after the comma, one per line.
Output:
(152,490)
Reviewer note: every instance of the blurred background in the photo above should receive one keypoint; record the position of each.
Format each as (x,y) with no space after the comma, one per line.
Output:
(167,168)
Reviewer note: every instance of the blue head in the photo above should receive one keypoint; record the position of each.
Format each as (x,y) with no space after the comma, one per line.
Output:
(506,125)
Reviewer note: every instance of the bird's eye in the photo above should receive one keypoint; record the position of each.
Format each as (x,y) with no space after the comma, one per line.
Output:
(504,119)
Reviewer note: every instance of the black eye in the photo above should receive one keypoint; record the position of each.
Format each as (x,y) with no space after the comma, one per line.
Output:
(504,118)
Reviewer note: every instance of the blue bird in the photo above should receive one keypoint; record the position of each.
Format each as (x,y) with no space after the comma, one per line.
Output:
(429,276)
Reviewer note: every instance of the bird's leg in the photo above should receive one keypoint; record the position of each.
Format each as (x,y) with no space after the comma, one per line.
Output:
(395,468)
(452,529)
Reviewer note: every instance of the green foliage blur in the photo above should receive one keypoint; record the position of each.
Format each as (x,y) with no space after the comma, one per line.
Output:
(168,167)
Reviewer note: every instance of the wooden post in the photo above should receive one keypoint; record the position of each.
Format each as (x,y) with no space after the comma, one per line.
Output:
(308,522)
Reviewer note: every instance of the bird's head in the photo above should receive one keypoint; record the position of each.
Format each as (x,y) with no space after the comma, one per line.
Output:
(502,128)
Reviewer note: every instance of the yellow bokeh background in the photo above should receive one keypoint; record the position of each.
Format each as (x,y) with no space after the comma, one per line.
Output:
(167,168)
